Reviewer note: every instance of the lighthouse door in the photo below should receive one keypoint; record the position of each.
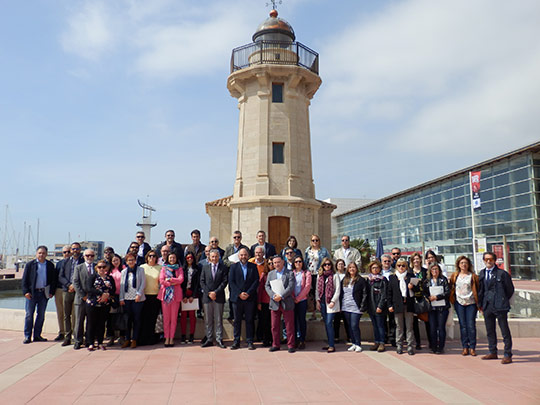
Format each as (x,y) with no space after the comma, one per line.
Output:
(278,231)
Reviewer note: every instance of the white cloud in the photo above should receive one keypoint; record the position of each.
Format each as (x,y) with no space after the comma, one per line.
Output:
(437,73)
(89,31)
(161,38)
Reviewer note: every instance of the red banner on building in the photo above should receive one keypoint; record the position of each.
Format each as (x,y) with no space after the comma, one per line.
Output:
(475,189)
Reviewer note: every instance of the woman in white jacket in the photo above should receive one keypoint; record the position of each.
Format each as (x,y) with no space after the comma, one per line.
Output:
(327,294)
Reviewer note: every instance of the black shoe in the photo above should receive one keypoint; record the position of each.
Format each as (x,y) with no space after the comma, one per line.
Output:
(27,340)
(39,339)
(410,351)
(399,350)
(66,342)
(418,347)
(77,346)
(208,343)
(291,350)
(183,340)
(273,349)
(190,341)
(59,338)
(251,346)
(203,340)
(220,344)
(301,346)
(235,346)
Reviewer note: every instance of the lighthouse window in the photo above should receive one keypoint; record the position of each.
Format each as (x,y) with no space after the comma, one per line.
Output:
(277,92)
(277,152)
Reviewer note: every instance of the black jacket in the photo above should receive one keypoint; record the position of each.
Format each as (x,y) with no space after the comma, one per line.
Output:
(176,248)
(377,295)
(441,281)
(237,283)
(217,285)
(269,250)
(495,294)
(195,282)
(65,278)
(394,297)
(360,294)
(29,277)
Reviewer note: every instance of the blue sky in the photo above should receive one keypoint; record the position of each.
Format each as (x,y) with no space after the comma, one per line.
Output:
(106,102)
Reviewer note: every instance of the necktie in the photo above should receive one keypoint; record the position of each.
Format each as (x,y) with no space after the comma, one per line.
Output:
(90,268)
(488,276)
(214,271)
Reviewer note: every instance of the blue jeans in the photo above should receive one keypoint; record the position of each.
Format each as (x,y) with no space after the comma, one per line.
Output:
(467,324)
(300,311)
(328,323)
(353,321)
(437,328)
(40,301)
(379,328)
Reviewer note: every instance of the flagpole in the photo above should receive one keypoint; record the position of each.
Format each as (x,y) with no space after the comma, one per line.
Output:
(475,261)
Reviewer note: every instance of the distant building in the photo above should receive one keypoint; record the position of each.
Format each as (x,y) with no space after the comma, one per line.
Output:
(343,205)
(437,214)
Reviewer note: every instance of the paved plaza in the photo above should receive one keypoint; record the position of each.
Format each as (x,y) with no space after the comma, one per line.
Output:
(46,373)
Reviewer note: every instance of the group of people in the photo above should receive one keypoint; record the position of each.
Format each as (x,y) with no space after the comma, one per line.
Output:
(138,299)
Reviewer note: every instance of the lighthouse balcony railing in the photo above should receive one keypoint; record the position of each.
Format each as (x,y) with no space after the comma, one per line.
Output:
(276,53)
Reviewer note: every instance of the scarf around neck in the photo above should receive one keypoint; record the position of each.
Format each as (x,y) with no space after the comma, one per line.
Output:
(402,283)
(126,281)
(330,289)
(170,272)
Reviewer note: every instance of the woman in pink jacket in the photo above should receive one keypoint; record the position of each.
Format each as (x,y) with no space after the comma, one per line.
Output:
(300,294)
(170,294)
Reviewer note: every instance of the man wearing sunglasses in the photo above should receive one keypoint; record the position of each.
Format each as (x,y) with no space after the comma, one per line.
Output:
(82,281)
(59,294)
(65,279)
(348,253)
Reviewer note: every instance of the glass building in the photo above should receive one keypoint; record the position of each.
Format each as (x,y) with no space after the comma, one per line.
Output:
(437,214)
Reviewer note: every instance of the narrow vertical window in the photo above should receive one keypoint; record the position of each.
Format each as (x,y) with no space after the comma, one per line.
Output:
(277,92)
(277,152)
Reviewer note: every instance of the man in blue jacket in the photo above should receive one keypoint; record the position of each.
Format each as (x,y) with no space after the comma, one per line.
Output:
(496,289)
(38,285)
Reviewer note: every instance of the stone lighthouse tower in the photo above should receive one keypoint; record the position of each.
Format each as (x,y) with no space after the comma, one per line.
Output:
(274,79)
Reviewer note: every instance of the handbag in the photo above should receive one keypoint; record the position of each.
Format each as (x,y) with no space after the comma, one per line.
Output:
(121,320)
(421,305)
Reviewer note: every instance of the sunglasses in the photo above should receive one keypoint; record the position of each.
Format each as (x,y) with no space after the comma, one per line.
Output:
(237,237)
(298,261)
(152,256)
(66,252)
(314,240)
(140,237)
(401,265)
(101,267)
(89,255)
(327,264)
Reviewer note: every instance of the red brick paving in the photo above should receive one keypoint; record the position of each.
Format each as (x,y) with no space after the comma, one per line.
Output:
(191,374)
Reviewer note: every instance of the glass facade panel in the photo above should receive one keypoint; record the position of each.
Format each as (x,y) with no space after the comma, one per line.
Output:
(439,216)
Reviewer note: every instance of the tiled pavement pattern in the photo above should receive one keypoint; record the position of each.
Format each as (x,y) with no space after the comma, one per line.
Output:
(46,373)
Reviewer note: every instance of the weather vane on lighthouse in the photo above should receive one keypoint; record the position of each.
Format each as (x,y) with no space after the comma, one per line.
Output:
(274,3)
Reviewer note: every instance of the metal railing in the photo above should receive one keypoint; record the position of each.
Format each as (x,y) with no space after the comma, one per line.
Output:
(276,53)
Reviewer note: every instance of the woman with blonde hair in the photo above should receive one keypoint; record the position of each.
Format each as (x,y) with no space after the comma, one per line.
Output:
(313,257)
(464,286)
(327,295)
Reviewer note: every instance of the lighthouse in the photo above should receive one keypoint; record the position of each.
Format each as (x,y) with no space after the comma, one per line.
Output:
(274,79)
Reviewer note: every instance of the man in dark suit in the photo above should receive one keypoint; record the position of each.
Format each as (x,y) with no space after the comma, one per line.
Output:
(213,282)
(144,247)
(38,285)
(175,246)
(65,279)
(59,294)
(496,289)
(243,284)
(82,281)
(229,251)
(269,249)
(281,303)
